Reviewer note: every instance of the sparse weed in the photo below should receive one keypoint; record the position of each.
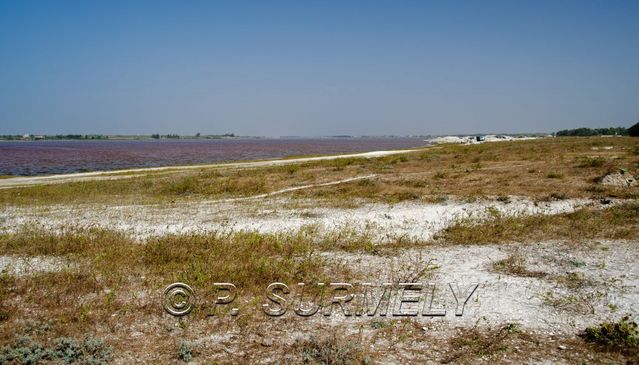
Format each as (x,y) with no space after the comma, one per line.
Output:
(572,280)
(515,264)
(578,303)
(333,350)
(7,283)
(366,182)
(440,175)
(592,161)
(474,342)
(558,196)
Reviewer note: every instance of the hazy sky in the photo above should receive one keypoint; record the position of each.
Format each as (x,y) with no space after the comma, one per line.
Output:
(317,67)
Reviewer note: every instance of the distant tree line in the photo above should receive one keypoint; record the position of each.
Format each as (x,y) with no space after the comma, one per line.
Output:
(78,136)
(218,136)
(171,136)
(584,132)
(10,137)
(197,135)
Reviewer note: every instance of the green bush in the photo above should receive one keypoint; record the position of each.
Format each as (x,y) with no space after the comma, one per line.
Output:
(622,334)
(65,350)
(24,351)
(185,353)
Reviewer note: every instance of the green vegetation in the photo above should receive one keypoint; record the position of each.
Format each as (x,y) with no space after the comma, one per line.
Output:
(185,351)
(25,350)
(620,335)
(589,132)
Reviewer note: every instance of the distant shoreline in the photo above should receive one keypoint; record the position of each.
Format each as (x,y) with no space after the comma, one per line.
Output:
(48,157)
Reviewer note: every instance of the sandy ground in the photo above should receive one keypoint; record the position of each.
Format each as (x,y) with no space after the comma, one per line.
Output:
(549,305)
(609,279)
(383,222)
(608,268)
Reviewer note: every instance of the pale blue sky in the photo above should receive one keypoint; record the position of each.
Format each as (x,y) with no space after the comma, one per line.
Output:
(317,67)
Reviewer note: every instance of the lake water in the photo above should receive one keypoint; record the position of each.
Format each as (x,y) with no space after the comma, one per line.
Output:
(27,158)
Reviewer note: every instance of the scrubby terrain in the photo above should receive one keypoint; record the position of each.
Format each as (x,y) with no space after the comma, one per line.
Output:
(545,230)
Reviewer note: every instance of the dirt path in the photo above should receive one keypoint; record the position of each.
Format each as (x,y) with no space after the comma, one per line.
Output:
(294,188)
(129,173)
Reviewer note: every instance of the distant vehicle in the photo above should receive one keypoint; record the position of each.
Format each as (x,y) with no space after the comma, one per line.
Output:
(480,138)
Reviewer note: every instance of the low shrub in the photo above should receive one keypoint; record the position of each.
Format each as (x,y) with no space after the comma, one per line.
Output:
(623,334)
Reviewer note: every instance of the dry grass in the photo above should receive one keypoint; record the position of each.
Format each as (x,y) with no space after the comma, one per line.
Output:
(566,167)
(114,281)
(538,168)
(515,264)
(473,343)
(186,185)
(331,349)
(573,302)
(411,342)
(508,343)
(618,222)
(107,265)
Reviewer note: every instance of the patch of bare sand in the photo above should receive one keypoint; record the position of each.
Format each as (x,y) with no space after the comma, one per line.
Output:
(384,222)
(23,266)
